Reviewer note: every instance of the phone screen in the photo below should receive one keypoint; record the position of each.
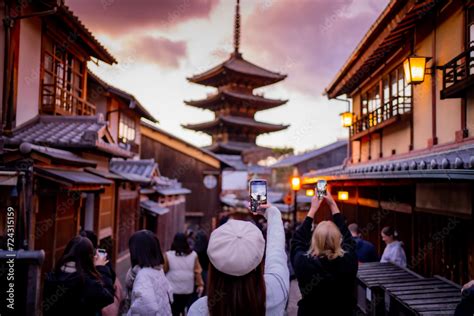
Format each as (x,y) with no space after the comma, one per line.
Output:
(258,193)
(102,252)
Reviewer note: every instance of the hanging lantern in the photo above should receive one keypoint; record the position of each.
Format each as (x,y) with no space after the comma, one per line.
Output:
(343,195)
(415,69)
(347,119)
(295,183)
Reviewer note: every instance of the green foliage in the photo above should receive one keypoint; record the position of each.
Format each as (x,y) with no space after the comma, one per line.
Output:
(280,151)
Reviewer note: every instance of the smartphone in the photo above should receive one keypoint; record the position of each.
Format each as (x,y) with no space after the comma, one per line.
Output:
(258,193)
(102,252)
(321,188)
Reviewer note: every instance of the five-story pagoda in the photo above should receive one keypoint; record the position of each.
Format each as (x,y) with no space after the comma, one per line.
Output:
(234,129)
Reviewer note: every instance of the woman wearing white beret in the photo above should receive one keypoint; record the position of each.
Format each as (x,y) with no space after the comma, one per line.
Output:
(240,281)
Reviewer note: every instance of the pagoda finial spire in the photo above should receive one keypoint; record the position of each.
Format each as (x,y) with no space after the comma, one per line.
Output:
(237,28)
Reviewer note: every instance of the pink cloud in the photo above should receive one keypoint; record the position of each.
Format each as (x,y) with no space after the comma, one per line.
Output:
(160,51)
(118,16)
(309,40)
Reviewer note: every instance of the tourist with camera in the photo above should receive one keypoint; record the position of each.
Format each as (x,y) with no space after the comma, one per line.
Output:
(325,262)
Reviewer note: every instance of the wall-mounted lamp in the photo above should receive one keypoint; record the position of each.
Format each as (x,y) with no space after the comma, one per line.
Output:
(347,119)
(415,69)
(343,195)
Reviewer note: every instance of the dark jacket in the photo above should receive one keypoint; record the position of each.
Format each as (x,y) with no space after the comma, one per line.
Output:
(365,251)
(466,307)
(327,286)
(67,294)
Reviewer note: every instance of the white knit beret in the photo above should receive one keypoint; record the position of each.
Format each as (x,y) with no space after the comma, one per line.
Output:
(236,248)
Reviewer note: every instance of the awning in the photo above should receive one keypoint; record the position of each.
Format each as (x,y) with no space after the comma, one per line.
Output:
(455,162)
(71,177)
(147,191)
(8,178)
(154,207)
(172,191)
(56,155)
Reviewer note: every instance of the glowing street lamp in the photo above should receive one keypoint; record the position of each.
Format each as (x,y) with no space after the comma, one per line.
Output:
(343,195)
(295,183)
(415,69)
(310,192)
(347,119)
(295,186)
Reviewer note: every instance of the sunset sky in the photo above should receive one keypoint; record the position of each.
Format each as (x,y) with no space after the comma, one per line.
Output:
(159,43)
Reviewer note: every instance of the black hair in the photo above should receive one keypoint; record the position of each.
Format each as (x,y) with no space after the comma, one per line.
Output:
(145,250)
(91,235)
(80,251)
(180,245)
(390,231)
(201,242)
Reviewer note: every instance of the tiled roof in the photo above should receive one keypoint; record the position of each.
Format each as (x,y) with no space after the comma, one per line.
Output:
(236,121)
(167,186)
(97,49)
(141,170)
(383,38)
(453,163)
(235,161)
(104,173)
(297,159)
(134,104)
(154,207)
(235,97)
(72,132)
(187,144)
(72,177)
(146,171)
(233,147)
(238,65)
(58,155)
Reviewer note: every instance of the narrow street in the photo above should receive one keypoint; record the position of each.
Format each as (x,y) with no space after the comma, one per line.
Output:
(184,140)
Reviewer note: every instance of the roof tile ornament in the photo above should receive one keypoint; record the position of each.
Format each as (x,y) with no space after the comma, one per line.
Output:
(237,28)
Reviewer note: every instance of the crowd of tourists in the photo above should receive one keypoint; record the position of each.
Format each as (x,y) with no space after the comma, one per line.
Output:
(238,270)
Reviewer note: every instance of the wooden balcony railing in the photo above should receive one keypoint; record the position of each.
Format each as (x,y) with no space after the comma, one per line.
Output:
(61,101)
(458,74)
(382,116)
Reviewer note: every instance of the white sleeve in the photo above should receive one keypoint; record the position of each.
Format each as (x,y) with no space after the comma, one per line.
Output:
(400,257)
(144,301)
(277,276)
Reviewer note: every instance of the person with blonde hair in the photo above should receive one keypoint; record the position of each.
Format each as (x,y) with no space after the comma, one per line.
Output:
(325,263)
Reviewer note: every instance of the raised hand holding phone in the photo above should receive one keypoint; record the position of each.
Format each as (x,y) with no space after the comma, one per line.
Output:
(258,194)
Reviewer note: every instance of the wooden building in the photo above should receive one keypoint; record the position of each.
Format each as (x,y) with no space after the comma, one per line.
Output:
(234,129)
(411,159)
(55,143)
(321,158)
(162,201)
(197,169)
(121,110)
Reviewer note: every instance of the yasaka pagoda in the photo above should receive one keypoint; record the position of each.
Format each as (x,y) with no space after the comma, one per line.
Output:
(234,129)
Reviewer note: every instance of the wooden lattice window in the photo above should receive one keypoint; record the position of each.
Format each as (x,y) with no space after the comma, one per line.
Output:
(127,129)
(63,81)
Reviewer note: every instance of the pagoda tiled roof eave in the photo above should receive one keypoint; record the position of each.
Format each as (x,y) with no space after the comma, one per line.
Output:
(250,99)
(236,121)
(238,66)
(233,147)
